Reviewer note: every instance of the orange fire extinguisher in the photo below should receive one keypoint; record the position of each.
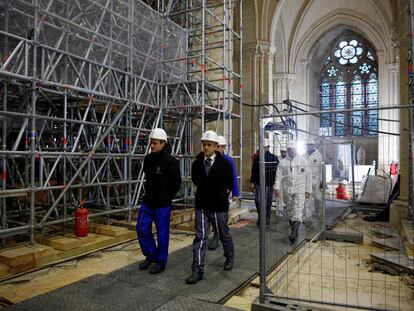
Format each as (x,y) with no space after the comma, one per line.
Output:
(81,221)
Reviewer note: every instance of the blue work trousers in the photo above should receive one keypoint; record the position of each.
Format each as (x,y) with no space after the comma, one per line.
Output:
(161,218)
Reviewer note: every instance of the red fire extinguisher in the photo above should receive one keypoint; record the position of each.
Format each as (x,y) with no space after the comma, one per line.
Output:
(81,221)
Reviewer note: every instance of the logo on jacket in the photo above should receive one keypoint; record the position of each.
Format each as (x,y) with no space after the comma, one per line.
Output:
(158,170)
(302,170)
(314,160)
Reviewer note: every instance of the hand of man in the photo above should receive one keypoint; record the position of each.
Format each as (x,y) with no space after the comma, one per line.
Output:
(307,195)
(277,193)
(252,189)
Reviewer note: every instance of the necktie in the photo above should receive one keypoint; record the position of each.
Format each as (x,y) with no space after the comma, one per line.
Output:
(207,165)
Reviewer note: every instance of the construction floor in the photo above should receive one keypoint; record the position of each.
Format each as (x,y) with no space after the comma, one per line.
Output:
(129,288)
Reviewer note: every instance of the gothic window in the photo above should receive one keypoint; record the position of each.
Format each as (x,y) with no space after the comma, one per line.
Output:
(349,80)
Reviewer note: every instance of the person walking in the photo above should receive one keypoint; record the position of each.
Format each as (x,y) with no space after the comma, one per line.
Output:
(212,174)
(280,204)
(163,180)
(271,163)
(296,177)
(221,147)
(314,158)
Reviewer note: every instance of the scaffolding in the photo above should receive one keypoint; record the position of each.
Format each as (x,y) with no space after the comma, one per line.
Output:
(82,84)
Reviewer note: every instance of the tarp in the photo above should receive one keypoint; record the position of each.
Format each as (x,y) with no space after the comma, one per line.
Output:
(375,189)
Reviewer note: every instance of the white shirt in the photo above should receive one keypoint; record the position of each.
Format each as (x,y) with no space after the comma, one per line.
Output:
(212,158)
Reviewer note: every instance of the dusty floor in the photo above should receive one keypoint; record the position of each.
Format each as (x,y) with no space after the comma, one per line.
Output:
(338,273)
(45,280)
(325,270)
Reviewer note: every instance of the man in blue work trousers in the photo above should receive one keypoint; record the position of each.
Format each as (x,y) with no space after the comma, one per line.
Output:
(212,174)
(221,147)
(163,180)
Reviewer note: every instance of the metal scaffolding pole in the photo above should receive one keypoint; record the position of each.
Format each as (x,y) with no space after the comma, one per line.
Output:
(83,83)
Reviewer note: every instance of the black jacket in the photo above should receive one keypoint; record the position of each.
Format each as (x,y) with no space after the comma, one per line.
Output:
(270,169)
(163,178)
(213,190)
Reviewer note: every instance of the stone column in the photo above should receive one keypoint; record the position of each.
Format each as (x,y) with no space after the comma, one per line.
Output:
(404,93)
(256,67)
(282,86)
(388,145)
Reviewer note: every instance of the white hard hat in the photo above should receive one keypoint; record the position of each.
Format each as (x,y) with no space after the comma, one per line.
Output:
(210,136)
(290,144)
(395,160)
(158,133)
(344,182)
(310,142)
(282,147)
(266,142)
(222,141)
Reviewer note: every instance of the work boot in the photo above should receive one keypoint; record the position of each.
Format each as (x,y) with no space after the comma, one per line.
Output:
(228,265)
(213,244)
(295,232)
(157,269)
(145,264)
(194,278)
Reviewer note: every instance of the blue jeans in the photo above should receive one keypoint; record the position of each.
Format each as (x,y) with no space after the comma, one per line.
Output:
(161,218)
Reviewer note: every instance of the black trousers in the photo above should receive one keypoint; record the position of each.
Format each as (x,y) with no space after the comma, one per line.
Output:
(202,231)
(268,204)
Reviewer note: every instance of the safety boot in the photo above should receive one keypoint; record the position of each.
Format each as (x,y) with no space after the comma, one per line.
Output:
(213,244)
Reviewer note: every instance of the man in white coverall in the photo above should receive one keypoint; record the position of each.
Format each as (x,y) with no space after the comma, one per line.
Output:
(314,158)
(280,203)
(297,187)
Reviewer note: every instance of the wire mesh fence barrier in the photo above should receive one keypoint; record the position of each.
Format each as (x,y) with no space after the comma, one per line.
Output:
(82,85)
(334,238)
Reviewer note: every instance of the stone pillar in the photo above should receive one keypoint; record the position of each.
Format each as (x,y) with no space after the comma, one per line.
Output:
(303,96)
(404,93)
(256,67)
(282,86)
(388,145)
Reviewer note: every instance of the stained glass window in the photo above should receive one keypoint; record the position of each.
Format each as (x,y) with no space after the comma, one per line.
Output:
(349,80)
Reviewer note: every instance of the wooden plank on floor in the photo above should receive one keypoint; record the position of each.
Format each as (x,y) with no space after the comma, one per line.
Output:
(113,231)
(396,259)
(385,232)
(16,256)
(84,240)
(100,241)
(238,302)
(186,226)
(388,244)
(63,243)
(4,269)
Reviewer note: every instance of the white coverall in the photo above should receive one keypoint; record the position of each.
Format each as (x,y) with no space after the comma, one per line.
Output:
(283,169)
(294,177)
(315,165)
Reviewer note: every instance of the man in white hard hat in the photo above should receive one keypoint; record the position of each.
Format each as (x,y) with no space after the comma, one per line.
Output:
(295,175)
(271,163)
(221,147)
(314,158)
(162,182)
(212,174)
